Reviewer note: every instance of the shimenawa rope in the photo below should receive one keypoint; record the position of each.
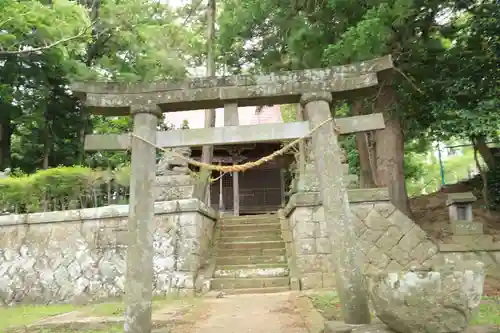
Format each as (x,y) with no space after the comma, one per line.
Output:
(248,165)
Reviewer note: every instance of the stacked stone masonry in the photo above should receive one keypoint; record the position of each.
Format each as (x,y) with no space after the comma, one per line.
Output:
(387,239)
(79,255)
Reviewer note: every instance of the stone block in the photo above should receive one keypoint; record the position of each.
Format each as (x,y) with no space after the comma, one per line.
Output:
(375,221)
(359,226)
(328,263)
(285,224)
(322,229)
(311,281)
(377,258)
(364,245)
(173,180)
(466,228)
(394,266)
(306,246)
(310,263)
(318,214)
(323,245)
(341,327)
(329,280)
(385,209)
(424,251)
(463,197)
(389,238)
(305,229)
(168,193)
(442,300)
(451,247)
(403,222)
(287,236)
(469,241)
(301,214)
(362,209)
(371,235)
(369,195)
(295,284)
(412,238)
(400,255)
(189,231)
(308,182)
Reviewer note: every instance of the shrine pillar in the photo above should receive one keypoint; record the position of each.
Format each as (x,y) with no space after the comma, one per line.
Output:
(333,189)
(139,267)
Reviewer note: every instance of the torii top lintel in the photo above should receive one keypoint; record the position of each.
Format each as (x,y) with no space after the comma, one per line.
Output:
(115,99)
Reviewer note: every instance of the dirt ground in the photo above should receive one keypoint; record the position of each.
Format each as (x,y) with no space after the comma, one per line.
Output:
(431,213)
(492,287)
(272,313)
(256,313)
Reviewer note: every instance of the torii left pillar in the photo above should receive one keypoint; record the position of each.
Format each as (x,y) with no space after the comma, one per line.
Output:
(139,276)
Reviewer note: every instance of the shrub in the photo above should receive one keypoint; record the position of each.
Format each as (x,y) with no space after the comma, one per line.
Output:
(63,188)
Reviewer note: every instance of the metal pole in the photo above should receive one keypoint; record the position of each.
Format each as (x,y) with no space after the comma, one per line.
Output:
(441,166)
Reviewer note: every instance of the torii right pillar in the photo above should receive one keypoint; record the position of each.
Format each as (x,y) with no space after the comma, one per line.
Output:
(325,144)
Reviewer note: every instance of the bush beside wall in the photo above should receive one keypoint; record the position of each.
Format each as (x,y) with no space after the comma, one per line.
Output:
(63,188)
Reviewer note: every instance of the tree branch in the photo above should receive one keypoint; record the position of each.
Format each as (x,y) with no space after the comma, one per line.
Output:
(46,47)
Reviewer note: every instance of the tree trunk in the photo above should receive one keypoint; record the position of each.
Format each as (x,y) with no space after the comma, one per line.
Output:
(366,178)
(484,177)
(5,143)
(484,151)
(390,151)
(46,138)
(202,189)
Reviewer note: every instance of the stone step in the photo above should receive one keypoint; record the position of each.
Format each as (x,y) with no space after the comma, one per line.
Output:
(238,245)
(269,290)
(249,233)
(251,227)
(244,283)
(222,253)
(246,260)
(250,219)
(250,237)
(259,270)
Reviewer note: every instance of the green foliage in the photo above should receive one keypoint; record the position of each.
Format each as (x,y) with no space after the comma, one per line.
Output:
(31,24)
(42,124)
(288,112)
(427,176)
(63,188)
(493,178)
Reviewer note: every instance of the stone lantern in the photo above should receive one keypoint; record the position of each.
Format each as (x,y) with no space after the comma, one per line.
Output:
(460,210)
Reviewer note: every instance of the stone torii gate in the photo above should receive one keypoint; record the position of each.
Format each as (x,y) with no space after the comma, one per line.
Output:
(314,89)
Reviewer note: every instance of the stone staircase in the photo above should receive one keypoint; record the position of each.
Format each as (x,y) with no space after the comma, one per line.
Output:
(250,255)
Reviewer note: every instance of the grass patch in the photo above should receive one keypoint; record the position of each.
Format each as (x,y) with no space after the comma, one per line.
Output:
(117,308)
(489,312)
(105,329)
(328,304)
(29,314)
(15,319)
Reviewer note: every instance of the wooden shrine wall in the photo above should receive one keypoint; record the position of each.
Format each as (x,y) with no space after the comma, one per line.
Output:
(260,191)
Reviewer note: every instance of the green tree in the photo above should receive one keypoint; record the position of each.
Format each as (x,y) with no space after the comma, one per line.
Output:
(47,44)
(267,36)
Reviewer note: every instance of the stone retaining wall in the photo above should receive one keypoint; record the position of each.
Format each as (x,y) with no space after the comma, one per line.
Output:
(387,238)
(484,248)
(78,255)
